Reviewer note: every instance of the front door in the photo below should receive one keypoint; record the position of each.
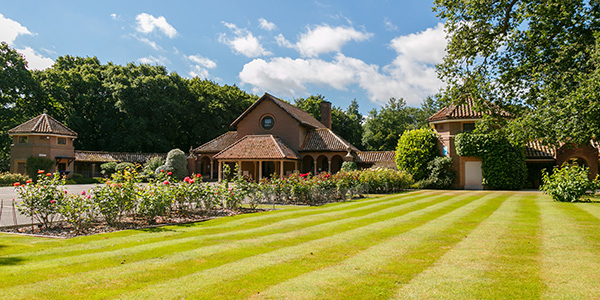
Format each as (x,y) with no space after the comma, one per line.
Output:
(473,175)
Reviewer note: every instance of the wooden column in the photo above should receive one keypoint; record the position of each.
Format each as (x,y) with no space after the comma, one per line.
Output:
(259,169)
(211,167)
(296,166)
(315,172)
(239,167)
(220,171)
(329,165)
(281,169)
(93,169)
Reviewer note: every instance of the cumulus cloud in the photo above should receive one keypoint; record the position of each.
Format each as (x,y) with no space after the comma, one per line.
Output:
(149,43)
(10,30)
(411,75)
(151,60)
(201,66)
(243,42)
(147,23)
(266,25)
(324,39)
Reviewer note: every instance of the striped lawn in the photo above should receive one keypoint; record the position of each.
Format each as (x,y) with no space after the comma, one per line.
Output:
(418,245)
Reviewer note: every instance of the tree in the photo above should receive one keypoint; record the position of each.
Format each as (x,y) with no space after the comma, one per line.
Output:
(383,128)
(416,149)
(539,60)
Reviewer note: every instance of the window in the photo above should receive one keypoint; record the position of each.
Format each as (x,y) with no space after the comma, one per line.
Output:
(468,127)
(267,122)
(62,141)
(22,140)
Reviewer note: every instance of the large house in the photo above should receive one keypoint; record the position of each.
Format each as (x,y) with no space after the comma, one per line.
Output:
(454,119)
(275,137)
(44,136)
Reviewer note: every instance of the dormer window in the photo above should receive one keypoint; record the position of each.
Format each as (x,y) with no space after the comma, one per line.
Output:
(267,122)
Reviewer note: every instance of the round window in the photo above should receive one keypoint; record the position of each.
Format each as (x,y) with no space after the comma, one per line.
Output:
(267,122)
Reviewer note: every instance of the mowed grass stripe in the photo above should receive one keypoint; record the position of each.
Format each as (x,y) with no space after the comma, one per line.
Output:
(40,270)
(571,251)
(376,272)
(128,238)
(168,266)
(246,277)
(460,273)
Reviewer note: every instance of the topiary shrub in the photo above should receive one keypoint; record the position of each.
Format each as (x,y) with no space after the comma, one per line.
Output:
(176,163)
(349,166)
(416,148)
(34,164)
(108,168)
(441,174)
(568,183)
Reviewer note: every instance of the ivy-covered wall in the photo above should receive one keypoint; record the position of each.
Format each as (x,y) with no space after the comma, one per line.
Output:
(503,164)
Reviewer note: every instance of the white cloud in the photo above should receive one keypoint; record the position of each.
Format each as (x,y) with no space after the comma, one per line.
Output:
(243,42)
(10,30)
(149,43)
(147,23)
(201,66)
(115,17)
(35,61)
(324,39)
(411,75)
(389,26)
(203,61)
(266,25)
(151,60)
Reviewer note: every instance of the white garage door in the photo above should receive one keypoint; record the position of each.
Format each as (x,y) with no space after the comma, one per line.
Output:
(473,176)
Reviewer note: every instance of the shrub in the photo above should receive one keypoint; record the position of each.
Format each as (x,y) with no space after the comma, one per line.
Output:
(441,174)
(8,179)
(416,148)
(125,166)
(78,210)
(176,163)
(117,197)
(568,183)
(108,168)
(349,166)
(152,164)
(155,200)
(34,164)
(41,200)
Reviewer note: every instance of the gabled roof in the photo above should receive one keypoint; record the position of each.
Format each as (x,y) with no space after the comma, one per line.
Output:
(43,124)
(217,144)
(299,115)
(103,156)
(536,150)
(464,111)
(323,139)
(265,146)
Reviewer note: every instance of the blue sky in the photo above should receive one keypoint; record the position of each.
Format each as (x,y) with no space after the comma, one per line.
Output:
(364,50)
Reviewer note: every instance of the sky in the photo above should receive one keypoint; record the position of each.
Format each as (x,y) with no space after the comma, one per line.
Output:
(370,51)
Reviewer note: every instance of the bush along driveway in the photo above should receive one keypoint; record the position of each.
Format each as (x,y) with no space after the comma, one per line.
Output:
(417,245)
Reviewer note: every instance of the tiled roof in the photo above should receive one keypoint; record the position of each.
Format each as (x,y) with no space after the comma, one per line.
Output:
(536,150)
(375,156)
(324,139)
(103,156)
(218,144)
(299,115)
(266,146)
(464,111)
(43,124)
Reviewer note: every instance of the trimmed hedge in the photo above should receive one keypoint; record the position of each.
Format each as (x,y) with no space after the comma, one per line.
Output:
(416,148)
(503,164)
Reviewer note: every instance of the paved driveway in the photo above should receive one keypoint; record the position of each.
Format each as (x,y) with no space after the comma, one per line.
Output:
(7,217)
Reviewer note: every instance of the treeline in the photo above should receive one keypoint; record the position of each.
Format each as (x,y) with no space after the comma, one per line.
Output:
(143,108)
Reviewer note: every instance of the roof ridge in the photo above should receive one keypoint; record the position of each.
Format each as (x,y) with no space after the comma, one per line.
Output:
(233,144)
(37,124)
(277,142)
(339,138)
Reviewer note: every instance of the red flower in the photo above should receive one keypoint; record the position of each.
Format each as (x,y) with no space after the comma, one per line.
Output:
(199,175)
(65,192)
(169,173)
(187,180)
(191,181)
(28,181)
(16,184)
(52,201)
(48,174)
(83,192)
(162,171)
(40,171)
(88,196)
(166,182)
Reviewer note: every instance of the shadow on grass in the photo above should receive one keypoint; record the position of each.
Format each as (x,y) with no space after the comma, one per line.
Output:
(11,261)
(156,229)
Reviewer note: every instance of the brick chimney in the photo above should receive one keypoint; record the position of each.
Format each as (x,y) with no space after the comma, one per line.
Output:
(326,113)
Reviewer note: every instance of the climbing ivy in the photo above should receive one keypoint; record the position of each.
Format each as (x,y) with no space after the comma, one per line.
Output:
(503,164)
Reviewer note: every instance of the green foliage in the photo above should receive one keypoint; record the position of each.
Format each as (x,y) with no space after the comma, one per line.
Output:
(124,166)
(540,60)
(349,166)
(152,164)
(416,148)
(503,164)
(34,164)
(41,200)
(441,174)
(108,168)
(176,163)
(79,179)
(117,197)
(78,210)
(568,183)
(7,179)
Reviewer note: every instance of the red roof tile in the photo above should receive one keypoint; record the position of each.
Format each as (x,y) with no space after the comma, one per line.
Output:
(375,156)
(324,139)
(464,111)
(536,150)
(44,124)
(103,156)
(258,147)
(218,144)
(299,115)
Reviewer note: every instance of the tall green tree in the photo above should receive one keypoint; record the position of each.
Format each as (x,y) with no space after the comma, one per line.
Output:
(383,128)
(539,60)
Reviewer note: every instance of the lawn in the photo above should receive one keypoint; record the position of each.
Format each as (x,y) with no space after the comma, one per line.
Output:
(418,245)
